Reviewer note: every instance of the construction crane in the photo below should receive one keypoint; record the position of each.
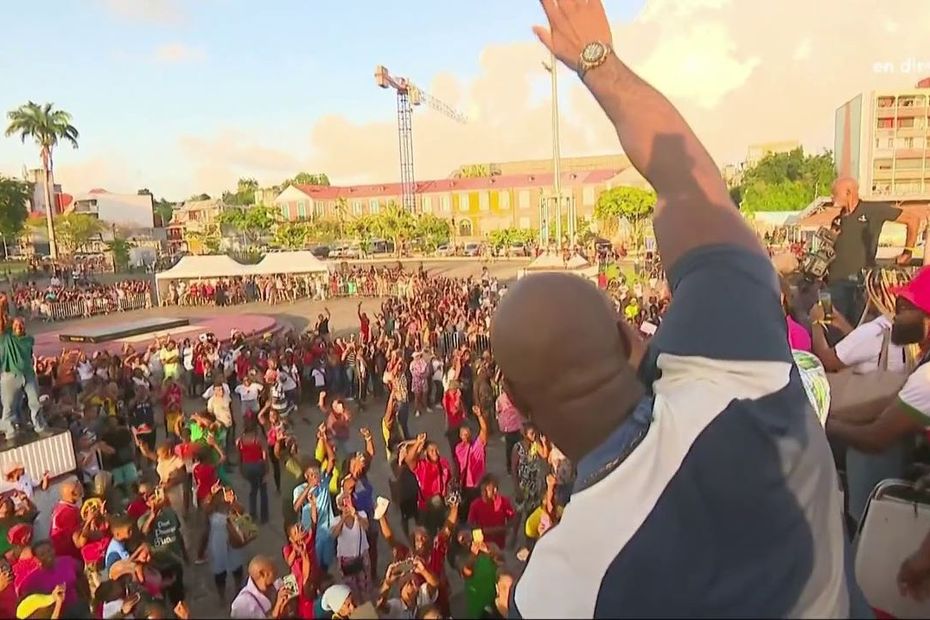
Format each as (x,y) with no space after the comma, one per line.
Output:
(408,96)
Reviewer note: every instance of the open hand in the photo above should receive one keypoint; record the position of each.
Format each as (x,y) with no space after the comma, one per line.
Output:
(181,611)
(573,24)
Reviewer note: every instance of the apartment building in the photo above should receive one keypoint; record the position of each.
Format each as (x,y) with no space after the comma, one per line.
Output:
(474,206)
(882,138)
(197,217)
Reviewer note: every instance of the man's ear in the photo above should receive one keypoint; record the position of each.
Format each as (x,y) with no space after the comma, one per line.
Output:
(631,343)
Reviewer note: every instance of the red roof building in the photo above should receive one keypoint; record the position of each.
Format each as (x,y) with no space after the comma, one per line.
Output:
(476,206)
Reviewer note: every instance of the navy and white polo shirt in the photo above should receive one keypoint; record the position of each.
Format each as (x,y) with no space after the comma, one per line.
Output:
(718,496)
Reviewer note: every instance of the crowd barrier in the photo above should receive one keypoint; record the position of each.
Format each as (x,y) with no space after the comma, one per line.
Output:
(329,290)
(81,308)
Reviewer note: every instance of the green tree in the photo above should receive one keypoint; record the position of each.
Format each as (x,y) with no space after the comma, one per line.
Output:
(120,249)
(397,224)
(197,197)
(144,192)
(209,238)
(14,200)
(506,237)
(633,204)
(252,223)
(291,235)
(163,211)
(76,230)
(431,231)
(46,126)
(244,194)
(785,181)
(324,230)
(364,229)
(306,178)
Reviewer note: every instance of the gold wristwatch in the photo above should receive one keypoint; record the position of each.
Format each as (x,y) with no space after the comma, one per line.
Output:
(593,56)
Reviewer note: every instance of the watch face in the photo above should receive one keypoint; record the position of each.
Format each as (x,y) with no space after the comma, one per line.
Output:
(592,52)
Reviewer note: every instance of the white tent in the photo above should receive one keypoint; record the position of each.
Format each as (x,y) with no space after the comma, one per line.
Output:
(577,262)
(199,267)
(546,262)
(288,262)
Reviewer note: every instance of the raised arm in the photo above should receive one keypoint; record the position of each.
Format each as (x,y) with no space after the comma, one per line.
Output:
(694,208)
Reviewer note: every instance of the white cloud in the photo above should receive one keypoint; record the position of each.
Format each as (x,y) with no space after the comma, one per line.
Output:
(740,72)
(172,53)
(161,12)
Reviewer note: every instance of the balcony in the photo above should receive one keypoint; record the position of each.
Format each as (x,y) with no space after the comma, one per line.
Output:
(885,111)
(911,132)
(908,153)
(908,174)
(912,111)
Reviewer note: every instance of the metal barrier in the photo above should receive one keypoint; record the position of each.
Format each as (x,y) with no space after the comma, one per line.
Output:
(80,308)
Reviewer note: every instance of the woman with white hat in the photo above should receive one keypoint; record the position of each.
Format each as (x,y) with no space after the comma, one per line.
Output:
(337,599)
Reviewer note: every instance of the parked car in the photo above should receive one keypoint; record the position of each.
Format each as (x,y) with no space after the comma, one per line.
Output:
(445,250)
(518,249)
(320,251)
(380,246)
(472,249)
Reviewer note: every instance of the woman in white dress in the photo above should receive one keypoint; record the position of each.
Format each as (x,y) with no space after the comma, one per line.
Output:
(225,556)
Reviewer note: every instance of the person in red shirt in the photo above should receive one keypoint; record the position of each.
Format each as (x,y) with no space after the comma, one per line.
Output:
(66,520)
(431,550)
(205,478)
(431,470)
(492,513)
(364,325)
(139,505)
(253,458)
(300,556)
(454,407)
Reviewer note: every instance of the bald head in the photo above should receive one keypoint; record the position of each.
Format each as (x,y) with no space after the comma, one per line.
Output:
(262,572)
(564,351)
(846,193)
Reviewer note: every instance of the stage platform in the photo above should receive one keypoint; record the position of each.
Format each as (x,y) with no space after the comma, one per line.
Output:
(116,331)
(50,343)
(50,452)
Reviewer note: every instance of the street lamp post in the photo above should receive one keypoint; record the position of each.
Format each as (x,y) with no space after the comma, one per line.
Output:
(556,155)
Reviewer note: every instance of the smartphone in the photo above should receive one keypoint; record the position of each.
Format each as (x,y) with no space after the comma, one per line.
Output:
(405,566)
(159,494)
(826,302)
(289,584)
(477,536)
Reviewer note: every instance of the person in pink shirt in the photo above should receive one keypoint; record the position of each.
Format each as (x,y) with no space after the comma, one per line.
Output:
(471,457)
(510,422)
(798,337)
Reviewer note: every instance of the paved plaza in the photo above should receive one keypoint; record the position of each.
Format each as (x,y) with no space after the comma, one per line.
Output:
(202,595)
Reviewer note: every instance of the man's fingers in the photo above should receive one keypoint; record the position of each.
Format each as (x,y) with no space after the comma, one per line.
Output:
(545,37)
(554,12)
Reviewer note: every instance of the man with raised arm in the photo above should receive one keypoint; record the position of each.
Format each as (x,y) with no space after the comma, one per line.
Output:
(705,484)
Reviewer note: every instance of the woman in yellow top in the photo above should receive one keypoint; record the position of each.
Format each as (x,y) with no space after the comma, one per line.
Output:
(545,516)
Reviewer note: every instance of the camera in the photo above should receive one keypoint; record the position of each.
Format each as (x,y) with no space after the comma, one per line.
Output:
(815,263)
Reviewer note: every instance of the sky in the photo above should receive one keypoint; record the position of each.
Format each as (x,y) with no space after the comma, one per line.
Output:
(186,96)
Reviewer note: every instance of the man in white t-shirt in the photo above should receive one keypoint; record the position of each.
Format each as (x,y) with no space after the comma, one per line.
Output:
(860,349)
(248,392)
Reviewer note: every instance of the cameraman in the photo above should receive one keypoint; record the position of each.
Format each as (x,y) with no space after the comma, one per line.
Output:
(859,225)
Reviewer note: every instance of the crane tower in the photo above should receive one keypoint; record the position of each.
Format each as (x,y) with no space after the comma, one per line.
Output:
(408,96)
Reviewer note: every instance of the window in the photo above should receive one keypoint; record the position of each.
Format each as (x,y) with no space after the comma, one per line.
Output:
(318,209)
(444,203)
(356,208)
(524,223)
(285,213)
(465,228)
(463,202)
(426,204)
(373,206)
(524,199)
(587,196)
(504,198)
(302,209)
(484,201)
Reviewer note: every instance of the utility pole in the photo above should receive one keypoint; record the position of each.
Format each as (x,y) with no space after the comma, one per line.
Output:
(556,155)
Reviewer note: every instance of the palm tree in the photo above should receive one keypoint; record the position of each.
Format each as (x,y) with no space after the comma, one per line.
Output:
(46,126)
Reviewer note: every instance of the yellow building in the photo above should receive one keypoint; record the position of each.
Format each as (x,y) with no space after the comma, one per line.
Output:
(474,206)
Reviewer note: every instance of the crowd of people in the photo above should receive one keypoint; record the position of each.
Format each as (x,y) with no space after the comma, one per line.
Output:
(353,281)
(155,471)
(65,298)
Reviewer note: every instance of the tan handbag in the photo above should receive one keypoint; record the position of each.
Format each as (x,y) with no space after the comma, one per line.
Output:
(848,389)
